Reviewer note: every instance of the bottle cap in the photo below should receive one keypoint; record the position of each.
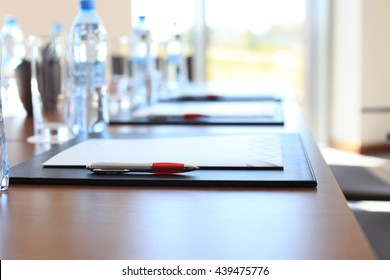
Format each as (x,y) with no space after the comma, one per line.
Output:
(57,28)
(87,4)
(10,20)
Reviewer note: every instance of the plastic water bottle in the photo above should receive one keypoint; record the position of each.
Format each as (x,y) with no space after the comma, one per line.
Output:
(4,165)
(87,60)
(13,48)
(176,65)
(144,64)
(13,52)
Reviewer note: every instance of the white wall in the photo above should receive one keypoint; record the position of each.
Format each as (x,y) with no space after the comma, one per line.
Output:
(376,53)
(361,75)
(37,16)
(376,71)
(346,77)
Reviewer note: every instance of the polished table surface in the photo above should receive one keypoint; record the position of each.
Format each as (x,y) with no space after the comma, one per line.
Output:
(110,222)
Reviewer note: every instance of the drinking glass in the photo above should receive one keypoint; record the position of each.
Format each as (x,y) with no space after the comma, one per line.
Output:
(50,99)
(4,165)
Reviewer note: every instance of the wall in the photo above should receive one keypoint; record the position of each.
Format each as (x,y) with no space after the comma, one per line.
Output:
(375,71)
(360,76)
(37,16)
(345,104)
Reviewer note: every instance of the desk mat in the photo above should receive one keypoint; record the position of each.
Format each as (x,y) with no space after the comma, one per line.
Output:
(277,119)
(297,172)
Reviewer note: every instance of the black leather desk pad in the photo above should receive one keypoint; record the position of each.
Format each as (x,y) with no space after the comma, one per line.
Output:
(125,116)
(296,173)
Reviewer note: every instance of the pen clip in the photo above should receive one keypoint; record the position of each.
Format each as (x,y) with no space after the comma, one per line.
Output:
(109,171)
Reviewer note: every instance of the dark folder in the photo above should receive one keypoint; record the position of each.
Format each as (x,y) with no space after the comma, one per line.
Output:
(266,111)
(296,172)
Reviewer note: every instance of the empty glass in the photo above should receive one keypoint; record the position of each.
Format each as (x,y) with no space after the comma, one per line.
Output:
(50,98)
(4,165)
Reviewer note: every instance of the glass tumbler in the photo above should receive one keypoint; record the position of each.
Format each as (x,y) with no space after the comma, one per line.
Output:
(50,97)
(4,165)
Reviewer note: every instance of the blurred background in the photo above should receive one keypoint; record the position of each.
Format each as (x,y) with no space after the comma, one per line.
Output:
(331,54)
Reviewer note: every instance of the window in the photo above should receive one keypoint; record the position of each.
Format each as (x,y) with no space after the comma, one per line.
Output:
(256,40)
(241,40)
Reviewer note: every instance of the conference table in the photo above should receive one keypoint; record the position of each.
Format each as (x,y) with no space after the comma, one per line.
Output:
(57,221)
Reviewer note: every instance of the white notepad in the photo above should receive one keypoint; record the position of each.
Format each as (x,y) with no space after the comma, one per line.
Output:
(259,151)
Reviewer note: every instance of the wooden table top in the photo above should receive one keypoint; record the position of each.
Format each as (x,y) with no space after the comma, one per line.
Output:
(110,222)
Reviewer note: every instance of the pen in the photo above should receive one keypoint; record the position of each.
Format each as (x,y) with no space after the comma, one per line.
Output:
(187,116)
(199,116)
(156,167)
(210,97)
(222,97)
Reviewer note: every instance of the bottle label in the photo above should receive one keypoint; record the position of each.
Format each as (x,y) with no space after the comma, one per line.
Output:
(174,59)
(140,60)
(90,74)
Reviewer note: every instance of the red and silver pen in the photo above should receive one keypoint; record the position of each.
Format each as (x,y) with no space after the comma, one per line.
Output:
(187,116)
(210,97)
(156,167)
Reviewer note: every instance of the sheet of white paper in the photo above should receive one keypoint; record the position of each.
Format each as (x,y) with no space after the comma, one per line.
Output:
(211,151)
(236,88)
(211,109)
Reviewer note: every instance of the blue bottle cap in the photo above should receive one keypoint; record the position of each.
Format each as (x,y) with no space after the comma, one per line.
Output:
(57,28)
(10,20)
(87,4)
